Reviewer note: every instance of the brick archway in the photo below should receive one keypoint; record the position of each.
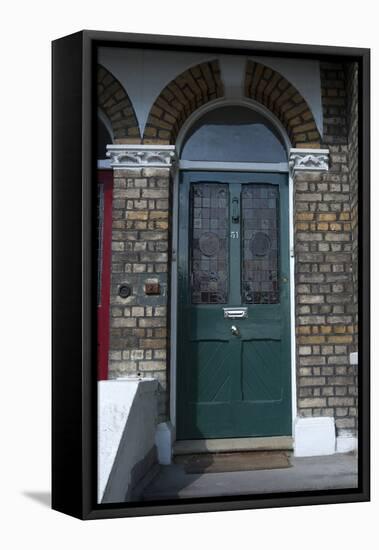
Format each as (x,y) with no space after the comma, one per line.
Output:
(116,105)
(275,92)
(181,97)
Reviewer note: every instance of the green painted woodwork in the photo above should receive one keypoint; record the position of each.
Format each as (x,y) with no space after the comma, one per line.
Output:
(233,385)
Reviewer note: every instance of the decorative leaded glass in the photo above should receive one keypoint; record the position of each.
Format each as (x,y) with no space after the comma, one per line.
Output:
(260,244)
(209,243)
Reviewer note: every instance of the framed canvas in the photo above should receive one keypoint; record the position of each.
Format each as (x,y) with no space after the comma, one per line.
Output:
(210,275)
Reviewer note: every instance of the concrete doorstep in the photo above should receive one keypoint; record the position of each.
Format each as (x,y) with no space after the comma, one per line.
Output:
(338,471)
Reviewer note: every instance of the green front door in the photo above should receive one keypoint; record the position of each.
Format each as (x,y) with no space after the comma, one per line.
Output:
(233,360)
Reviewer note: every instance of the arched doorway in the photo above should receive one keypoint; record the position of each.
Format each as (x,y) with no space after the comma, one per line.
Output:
(233,352)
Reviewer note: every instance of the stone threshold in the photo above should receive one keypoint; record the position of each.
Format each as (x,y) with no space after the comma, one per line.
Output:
(278,443)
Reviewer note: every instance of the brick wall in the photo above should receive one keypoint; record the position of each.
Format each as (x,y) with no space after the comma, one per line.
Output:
(352,106)
(277,94)
(113,100)
(140,255)
(324,280)
(186,93)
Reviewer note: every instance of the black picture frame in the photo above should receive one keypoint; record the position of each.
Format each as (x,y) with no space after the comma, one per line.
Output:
(74,401)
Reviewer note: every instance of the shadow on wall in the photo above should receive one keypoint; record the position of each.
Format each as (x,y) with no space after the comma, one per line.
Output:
(41,497)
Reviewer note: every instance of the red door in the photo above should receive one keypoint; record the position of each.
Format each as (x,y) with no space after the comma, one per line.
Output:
(105,185)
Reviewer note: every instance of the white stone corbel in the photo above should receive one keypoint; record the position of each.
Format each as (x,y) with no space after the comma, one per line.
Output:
(309,159)
(141,156)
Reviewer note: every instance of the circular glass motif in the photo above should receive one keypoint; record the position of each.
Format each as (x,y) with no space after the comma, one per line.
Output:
(209,244)
(260,244)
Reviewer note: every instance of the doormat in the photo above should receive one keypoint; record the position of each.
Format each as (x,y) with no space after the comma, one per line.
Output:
(213,463)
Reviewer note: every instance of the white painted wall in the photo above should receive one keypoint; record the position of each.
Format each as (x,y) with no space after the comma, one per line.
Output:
(127,414)
(346,443)
(314,436)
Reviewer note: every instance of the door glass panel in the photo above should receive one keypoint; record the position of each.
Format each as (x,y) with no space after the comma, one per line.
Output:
(209,243)
(234,134)
(260,244)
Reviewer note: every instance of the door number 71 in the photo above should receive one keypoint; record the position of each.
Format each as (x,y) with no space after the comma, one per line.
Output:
(234,234)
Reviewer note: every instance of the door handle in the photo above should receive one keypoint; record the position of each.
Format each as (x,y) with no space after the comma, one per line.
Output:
(234,330)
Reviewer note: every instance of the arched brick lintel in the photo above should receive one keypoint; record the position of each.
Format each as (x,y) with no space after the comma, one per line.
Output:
(181,97)
(116,105)
(275,92)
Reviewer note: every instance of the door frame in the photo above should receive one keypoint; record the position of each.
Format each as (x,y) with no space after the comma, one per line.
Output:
(214,166)
(184,165)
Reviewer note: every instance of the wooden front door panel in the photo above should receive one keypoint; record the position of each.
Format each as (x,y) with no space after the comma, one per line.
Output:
(234,375)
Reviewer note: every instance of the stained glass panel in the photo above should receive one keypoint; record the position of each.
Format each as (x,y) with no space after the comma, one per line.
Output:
(260,244)
(209,243)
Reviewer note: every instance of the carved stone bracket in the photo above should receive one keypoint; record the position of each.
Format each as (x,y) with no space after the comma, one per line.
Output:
(141,156)
(309,159)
